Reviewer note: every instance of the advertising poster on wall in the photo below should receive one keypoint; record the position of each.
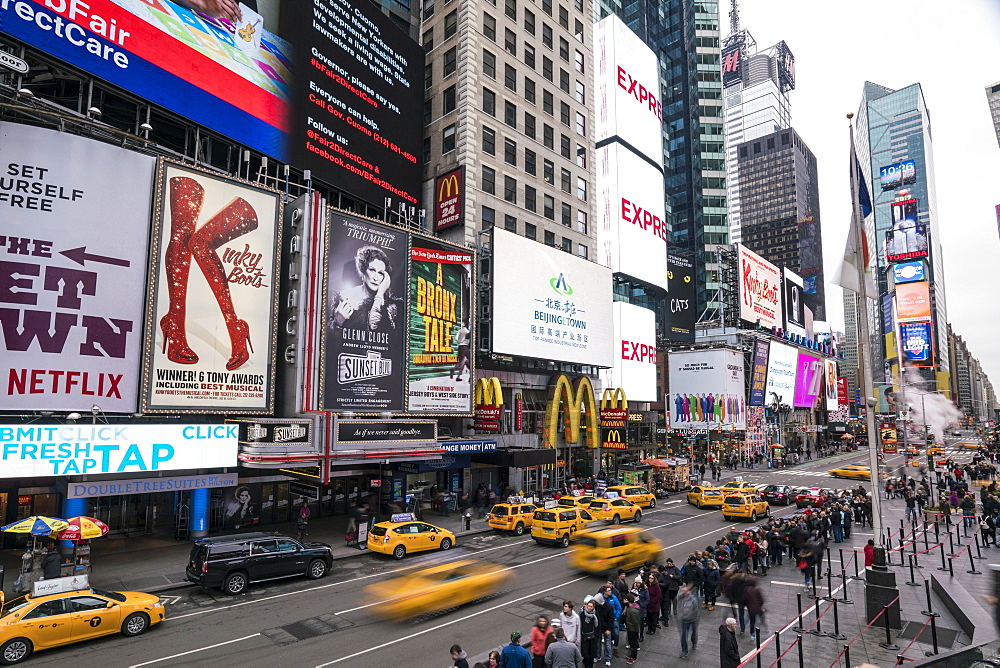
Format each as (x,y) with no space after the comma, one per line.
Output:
(830,383)
(553,305)
(794,307)
(760,290)
(843,392)
(71,295)
(916,344)
(889,437)
(781,365)
(439,373)
(682,300)
(449,199)
(707,390)
(756,438)
(241,506)
(913,301)
(211,317)
(635,352)
(808,380)
(365,316)
(758,374)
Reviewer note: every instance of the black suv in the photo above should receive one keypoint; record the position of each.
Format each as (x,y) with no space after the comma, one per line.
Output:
(233,562)
(779,494)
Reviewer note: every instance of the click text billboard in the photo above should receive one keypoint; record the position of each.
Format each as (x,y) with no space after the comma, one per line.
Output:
(707,390)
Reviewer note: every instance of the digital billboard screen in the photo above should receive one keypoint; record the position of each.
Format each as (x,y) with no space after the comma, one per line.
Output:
(781,369)
(908,238)
(760,290)
(913,301)
(758,373)
(732,64)
(900,174)
(909,272)
(681,312)
(808,380)
(330,85)
(707,390)
(917,344)
(794,307)
(635,352)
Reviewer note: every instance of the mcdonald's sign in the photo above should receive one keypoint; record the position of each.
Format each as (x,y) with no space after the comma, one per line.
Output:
(489,405)
(449,199)
(614,438)
(614,408)
(579,408)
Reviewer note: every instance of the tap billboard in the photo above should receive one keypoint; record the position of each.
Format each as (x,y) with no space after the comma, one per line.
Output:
(760,290)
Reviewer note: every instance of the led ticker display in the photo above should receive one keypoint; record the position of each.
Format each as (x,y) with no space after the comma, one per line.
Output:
(900,174)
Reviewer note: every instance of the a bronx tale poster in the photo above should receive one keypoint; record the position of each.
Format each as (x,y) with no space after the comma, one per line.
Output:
(440,357)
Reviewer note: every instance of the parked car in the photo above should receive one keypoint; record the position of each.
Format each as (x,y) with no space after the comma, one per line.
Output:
(779,494)
(233,562)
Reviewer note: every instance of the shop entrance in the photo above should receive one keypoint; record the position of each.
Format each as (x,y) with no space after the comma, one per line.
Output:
(125,514)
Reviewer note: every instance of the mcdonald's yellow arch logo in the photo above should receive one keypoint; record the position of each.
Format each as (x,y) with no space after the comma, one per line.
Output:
(448,188)
(571,397)
(614,436)
(613,398)
(489,392)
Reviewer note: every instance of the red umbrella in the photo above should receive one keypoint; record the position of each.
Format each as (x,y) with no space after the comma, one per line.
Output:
(83,528)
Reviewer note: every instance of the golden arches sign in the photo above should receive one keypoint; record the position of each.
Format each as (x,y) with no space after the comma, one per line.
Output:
(488,392)
(571,397)
(613,398)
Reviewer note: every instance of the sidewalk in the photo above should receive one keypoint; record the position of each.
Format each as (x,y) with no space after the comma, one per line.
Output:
(155,563)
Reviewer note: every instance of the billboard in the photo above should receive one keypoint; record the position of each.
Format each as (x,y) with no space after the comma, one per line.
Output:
(635,352)
(843,392)
(786,66)
(900,174)
(808,380)
(917,344)
(760,290)
(908,272)
(781,367)
(628,90)
(830,384)
(632,228)
(707,389)
(908,238)
(59,450)
(682,300)
(439,370)
(794,307)
(72,285)
(758,373)
(551,305)
(889,437)
(340,95)
(215,248)
(449,199)
(913,301)
(364,315)
(732,64)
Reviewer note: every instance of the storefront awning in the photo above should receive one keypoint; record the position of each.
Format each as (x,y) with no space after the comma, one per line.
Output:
(519,458)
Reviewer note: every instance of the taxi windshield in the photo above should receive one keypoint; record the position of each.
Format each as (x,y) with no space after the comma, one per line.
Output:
(114,595)
(567,501)
(377,530)
(499,510)
(14,605)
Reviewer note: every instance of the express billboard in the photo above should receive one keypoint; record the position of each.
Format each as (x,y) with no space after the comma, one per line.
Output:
(707,389)
(908,272)
(338,92)
(908,238)
(917,344)
(758,373)
(913,301)
(682,300)
(760,290)
(808,380)
(794,307)
(632,228)
(634,370)
(72,285)
(551,305)
(215,249)
(781,370)
(899,174)
(628,90)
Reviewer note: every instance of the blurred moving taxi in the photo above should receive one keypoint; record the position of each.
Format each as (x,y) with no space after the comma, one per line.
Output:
(574,501)
(738,484)
(614,510)
(744,505)
(911,450)
(402,538)
(32,623)
(514,517)
(705,497)
(935,449)
(637,495)
(437,588)
(607,549)
(557,526)
(969,445)
(853,471)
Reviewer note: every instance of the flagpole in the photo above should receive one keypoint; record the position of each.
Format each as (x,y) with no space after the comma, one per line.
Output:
(864,340)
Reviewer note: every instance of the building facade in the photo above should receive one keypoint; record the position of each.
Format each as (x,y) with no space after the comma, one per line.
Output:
(993,98)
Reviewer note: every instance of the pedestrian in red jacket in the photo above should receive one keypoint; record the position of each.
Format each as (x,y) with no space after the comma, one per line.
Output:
(869,553)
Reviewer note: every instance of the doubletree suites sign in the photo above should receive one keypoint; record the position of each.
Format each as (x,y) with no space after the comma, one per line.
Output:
(384,431)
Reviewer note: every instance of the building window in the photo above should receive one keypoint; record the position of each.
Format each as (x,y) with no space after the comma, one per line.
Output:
(530,231)
(489,217)
(530,165)
(451,24)
(549,137)
(449,101)
(510,114)
(579,62)
(510,189)
(450,61)
(564,146)
(489,102)
(427,149)
(489,64)
(549,207)
(563,80)
(529,22)
(428,40)
(547,68)
(578,30)
(428,9)
(565,180)
(510,152)
(563,17)
(550,238)
(548,102)
(510,8)
(529,125)
(530,199)
(510,77)
(448,139)
(490,27)
(489,181)
(489,141)
(510,41)
(567,244)
(581,92)
(428,110)
(428,75)
(510,223)
(564,49)
(581,221)
(529,56)
(581,188)
(564,113)
(548,171)
(567,215)
(547,35)
(529,90)
(582,251)
(547,7)
(581,156)
(581,124)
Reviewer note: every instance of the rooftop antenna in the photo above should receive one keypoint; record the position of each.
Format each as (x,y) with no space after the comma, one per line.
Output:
(734,18)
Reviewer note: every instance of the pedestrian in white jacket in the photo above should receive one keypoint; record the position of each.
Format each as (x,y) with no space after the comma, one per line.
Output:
(570,621)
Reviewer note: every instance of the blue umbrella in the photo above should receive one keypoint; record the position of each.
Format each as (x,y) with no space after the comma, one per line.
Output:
(36,525)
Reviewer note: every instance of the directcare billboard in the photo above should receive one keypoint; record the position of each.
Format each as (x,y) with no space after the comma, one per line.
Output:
(707,389)
(632,225)
(628,90)
(781,370)
(550,304)
(635,352)
(760,290)
(73,250)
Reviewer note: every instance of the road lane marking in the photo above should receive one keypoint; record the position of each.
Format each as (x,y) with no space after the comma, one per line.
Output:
(787,584)
(195,651)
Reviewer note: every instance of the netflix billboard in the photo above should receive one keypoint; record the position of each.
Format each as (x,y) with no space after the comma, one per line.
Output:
(73,240)
(449,199)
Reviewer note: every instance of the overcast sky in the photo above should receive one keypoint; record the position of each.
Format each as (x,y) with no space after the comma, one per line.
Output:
(953,50)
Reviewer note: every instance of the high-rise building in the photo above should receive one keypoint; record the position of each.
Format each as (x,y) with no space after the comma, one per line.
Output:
(780,209)
(893,138)
(993,97)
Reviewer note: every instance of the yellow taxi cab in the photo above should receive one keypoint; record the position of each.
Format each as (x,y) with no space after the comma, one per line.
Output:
(911,450)
(557,526)
(614,510)
(32,623)
(574,501)
(738,484)
(605,550)
(969,445)
(437,588)
(854,471)
(935,449)
(404,534)
(514,517)
(640,496)
(744,505)
(705,497)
